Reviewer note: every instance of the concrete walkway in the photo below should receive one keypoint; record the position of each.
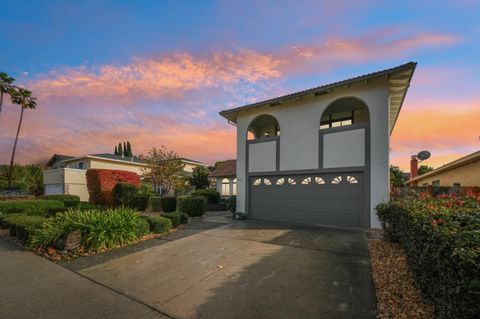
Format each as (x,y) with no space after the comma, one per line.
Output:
(249,270)
(32,287)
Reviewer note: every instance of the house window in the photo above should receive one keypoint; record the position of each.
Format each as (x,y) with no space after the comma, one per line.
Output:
(436,182)
(343,112)
(80,165)
(234,187)
(225,187)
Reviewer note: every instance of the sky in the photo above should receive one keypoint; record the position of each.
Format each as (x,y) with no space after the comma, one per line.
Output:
(158,72)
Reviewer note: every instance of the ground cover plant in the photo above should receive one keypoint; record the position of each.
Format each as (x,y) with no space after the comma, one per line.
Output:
(42,207)
(441,240)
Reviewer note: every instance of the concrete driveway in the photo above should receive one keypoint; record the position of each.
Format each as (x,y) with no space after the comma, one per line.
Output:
(249,270)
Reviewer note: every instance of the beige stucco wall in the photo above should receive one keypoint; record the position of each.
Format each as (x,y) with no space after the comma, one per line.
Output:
(466,175)
(74,181)
(97,163)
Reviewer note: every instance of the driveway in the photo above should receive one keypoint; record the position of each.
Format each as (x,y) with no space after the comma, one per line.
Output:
(249,270)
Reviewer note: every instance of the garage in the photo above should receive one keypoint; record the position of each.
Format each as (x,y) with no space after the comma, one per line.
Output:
(335,199)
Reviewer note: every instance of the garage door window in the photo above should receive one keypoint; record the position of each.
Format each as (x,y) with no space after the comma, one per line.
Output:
(291,181)
(306,181)
(280,181)
(337,180)
(319,180)
(352,180)
(267,182)
(257,182)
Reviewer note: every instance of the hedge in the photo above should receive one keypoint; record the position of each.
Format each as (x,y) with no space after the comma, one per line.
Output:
(22,206)
(67,199)
(100,183)
(441,240)
(143,227)
(174,217)
(139,203)
(159,224)
(156,203)
(123,194)
(212,195)
(169,204)
(22,226)
(192,206)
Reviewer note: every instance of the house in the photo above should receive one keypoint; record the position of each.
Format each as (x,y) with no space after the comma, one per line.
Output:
(67,174)
(225,177)
(464,171)
(320,156)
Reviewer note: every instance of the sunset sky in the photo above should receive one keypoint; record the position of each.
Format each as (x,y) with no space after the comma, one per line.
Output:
(158,72)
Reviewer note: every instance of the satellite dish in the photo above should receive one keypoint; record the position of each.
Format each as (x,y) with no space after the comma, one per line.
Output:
(423,155)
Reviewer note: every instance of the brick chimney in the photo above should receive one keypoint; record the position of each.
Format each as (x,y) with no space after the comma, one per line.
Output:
(413,166)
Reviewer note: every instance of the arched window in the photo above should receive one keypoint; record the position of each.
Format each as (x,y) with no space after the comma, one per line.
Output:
(344,111)
(234,187)
(263,126)
(225,187)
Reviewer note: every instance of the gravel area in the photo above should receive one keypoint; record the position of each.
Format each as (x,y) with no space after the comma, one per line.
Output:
(397,296)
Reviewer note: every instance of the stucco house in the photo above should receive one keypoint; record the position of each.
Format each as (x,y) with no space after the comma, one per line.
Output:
(320,156)
(67,174)
(225,178)
(464,171)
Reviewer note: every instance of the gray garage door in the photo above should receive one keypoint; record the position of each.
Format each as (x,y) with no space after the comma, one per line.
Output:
(324,199)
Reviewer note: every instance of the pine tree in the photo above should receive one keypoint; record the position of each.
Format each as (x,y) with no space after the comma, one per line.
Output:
(124,149)
(120,150)
(129,149)
(116,151)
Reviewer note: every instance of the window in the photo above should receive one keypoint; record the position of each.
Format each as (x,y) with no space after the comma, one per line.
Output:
(436,182)
(280,181)
(80,165)
(257,181)
(234,187)
(225,187)
(319,180)
(267,182)
(337,180)
(291,181)
(337,119)
(343,112)
(352,180)
(306,181)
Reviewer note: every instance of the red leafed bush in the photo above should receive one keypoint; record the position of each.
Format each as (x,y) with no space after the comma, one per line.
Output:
(100,183)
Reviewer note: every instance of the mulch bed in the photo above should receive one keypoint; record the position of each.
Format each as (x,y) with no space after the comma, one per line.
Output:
(397,296)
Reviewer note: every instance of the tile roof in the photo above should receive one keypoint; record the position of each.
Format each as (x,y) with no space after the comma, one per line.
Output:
(225,169)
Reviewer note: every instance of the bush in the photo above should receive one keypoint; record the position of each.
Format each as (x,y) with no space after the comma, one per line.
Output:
(231,203)
(183,218)
(123,194)
(100,183)
(156,203)
(159,224)
(440,238)
(67,199)
(146,189)
(88,206)
(169,204)
(99,228)
(174,217)
(143,227)
(22,206)
(192,206)
(139,203)
(212,195)
(22,226)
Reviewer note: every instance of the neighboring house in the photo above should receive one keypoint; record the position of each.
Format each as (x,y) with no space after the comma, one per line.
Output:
(225,177)
(320,156)
(67,174)
(464,171)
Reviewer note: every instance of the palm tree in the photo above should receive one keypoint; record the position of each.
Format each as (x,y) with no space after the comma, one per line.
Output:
(25,99)
(5,86)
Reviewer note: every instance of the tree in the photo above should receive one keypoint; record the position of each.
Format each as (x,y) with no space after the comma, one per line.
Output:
(6,86)
(124,149)
(163,168)
(199,177)
(116,150)
(424,169)
(129,149)
(120,150)
(25,99)
(397,176)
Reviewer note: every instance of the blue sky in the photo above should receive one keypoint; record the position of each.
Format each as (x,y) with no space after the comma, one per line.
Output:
(125,69)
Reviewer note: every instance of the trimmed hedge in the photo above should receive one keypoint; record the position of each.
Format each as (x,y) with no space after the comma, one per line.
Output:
(156,203)
(22,226)
(169,204)
(159,224)
(441,240)
(100,183)
(139,202)
(184,218)
(67,199)
(211,195)
(22,206)
(143,227)
(174,217)
(123,194)
(231,203)
(192,206)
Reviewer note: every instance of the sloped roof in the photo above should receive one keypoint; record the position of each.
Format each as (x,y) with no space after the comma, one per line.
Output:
(398,77)
(58,157)
(226,168)
(119,158)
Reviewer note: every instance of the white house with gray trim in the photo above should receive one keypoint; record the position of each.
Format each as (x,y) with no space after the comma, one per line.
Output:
(320,156)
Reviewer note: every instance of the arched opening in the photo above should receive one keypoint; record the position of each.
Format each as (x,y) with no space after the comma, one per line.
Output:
(263,126)
(343,112)
(225,187)
(234,187)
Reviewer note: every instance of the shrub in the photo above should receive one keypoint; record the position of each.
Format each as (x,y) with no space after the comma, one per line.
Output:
(169,204)
(440,238)
(159,224)
(88,206)
(67,199)
(139,203)
(22,206)
(146,189)
(156,203)
(193,206)
(100,229)
(174,217)
(123,194)
(143,227)
(231,203)
(183,218)
(22,226)
(212,195)
(100,183)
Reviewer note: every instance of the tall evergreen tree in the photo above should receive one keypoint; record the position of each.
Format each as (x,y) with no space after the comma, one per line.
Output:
(124,149)
(120,151)
(129,149)
(116,150)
